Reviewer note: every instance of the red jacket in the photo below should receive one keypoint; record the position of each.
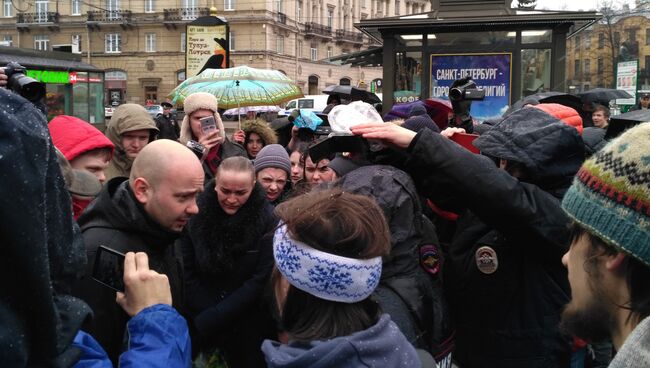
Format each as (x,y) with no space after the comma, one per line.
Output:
(565,113)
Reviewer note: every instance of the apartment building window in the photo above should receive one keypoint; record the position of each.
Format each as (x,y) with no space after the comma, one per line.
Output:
(601,66)
(75,7)
(587,69)
(647,62)
(228,4)
(576,68)
(41,10)
(631,35)
(299,11)
(150,42)
(647,36)
(577,42)
(314,53)
(330,17)
(149,6)
(279,44)
(299,51)
(617,39)
(190,10)
(278,6)
(329,52)
(113,8)
(8,5)
(587,41)
(7,40)
(397,5)
(601,40)
(42,42)
(113,43)
(231,40)
(76,43)
(183,42)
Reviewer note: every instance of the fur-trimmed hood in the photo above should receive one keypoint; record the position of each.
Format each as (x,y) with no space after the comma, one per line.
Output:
(261,128)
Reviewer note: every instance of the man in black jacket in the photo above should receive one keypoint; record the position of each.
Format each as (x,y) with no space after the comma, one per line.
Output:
(503,274)
(145,213)
(167,124)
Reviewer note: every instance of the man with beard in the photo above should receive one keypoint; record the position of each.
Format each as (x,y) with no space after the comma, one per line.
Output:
(144,213)
(609,257)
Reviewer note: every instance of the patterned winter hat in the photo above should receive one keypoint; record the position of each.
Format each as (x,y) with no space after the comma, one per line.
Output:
(610,195)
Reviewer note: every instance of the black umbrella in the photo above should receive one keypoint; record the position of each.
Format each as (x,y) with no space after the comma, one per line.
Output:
(352,93)
(561,98)
(620,123)
(603,95)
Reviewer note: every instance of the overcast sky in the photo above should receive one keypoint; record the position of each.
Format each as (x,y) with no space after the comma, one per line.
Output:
(575,4)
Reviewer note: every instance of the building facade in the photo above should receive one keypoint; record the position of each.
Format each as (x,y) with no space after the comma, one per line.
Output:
(141,43)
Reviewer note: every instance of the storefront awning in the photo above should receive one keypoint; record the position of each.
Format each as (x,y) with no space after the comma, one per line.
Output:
(370,57)
(50,60)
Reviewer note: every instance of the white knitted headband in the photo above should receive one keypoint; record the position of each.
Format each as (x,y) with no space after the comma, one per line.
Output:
(324,275)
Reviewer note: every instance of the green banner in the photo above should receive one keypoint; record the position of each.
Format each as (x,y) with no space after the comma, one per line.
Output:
(50,76)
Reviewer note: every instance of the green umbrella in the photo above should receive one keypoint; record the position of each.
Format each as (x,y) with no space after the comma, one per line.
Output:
(240,86)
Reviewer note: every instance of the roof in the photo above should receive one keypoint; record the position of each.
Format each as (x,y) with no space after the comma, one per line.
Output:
(52,60)
(370,57)
(464,20)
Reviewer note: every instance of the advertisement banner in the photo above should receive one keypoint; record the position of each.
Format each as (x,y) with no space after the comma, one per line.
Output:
(492,72)
(626,80)
(206,47)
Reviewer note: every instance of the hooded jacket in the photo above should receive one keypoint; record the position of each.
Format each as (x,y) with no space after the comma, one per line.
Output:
(126,118)
(382,345)
(42,247)
(227,262)
(261,128)
(507,285)
(118,221)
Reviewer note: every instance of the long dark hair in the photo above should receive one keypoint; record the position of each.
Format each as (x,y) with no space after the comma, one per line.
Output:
(636,272)
(340,223)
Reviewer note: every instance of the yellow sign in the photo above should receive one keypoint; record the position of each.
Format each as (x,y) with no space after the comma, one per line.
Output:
(206,47)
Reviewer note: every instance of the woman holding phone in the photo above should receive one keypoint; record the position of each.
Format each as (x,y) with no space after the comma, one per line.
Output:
(227,260)
(203,124)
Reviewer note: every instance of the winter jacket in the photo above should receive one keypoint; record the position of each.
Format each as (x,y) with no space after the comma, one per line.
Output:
(594,139)
(126,118)
(42,247)
(118,221)
(227,262)
(168,127)
(74,137)
(382,345)
(635,351)
(420,308)
(503,275)
(158,337)
(261,128)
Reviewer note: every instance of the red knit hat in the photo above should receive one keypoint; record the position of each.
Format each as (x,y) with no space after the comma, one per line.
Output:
(565,113)
(73,136)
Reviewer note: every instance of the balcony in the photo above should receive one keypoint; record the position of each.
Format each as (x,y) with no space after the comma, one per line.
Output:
(347,36)
(317,30)
(281,18)
(124,18)
(40,19)
(174,16)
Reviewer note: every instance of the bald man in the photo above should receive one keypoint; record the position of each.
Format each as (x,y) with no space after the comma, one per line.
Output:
(144,213)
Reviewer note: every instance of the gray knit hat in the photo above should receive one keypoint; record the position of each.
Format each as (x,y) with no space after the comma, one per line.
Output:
(273,155)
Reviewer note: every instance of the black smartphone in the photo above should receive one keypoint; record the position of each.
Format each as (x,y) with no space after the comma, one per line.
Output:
(109,268)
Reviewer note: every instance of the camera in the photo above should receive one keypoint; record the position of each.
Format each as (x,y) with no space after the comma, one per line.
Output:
(197,148)
(467,91)
(23,85)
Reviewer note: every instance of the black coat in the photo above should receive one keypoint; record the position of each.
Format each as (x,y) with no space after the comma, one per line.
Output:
(118,221)
(42,249)
(227,262)
(168,127)
(508,318)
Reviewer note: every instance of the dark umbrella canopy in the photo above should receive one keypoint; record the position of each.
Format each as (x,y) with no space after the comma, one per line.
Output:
(561,98)
(619,123)
(603,95)
(352,93)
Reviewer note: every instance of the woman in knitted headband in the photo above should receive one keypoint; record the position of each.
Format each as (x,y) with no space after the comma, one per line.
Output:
(328,254)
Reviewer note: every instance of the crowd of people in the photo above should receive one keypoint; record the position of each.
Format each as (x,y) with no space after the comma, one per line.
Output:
(244,252)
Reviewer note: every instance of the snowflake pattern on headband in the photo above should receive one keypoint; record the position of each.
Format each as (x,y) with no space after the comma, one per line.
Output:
(325,275)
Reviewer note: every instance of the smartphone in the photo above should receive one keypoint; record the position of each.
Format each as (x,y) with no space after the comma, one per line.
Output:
(208,124)
(109,268)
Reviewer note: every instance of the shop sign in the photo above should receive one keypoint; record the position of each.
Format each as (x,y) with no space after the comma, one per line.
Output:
(207,46)
(492,72)
(50,76)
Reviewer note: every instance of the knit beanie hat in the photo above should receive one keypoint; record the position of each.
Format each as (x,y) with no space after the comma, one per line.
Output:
(417,123)
(273,155)
(198,101)
(610,195)
(417,110)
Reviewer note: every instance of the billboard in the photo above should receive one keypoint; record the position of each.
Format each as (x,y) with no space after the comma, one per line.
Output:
(492,72)
(626,80)
(206,47)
